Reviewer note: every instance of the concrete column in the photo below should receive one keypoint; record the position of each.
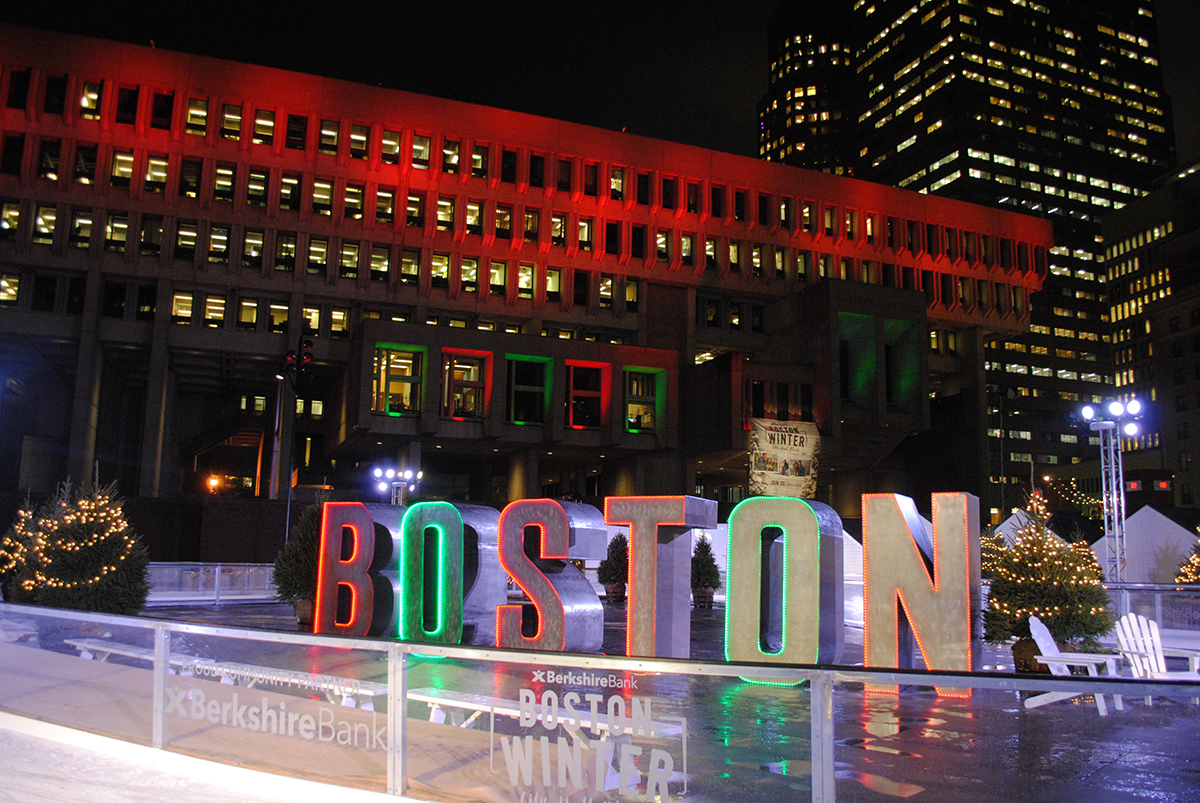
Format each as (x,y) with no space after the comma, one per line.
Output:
(158,376)
(85,409)
(523,475)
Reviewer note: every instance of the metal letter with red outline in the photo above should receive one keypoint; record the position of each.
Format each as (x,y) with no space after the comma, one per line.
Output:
(550,518)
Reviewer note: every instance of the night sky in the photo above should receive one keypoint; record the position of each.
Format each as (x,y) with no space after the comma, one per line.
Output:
(689,72)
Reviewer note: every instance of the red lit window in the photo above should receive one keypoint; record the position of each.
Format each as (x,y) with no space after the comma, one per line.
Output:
(586,389)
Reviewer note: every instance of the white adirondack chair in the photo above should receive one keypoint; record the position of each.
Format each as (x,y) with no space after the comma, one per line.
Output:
(1060,664)
(1142,647)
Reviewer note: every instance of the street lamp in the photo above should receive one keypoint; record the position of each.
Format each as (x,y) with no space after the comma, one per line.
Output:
(1111,421)
(402,483)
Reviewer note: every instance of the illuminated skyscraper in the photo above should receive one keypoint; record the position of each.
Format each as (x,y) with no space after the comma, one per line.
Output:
(1056,109)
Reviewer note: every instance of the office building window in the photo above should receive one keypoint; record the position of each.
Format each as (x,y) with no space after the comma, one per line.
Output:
(463,387)
(328,135)
(637,242)
(585,388)
(662,248)
(525,280)
(85,164)
(318,255)
(528,390)
(474,217)
(150,236)
(641,401)
(264,127)
(764,210)
(532,221)
(116,232)
(579,287)
(13,155)
(162,109)
(311,319)
(564,175)
(445,214)
(352,205)
(10,219)
(687,245)
(43,224)
(439,270)
(503,222)
(214,311)
(537,170)
(285,250)
(322,197)
(390,147)
(252,248)
(81,228)
(558,229)
(226,178)
(48,159)
(479,161)
(359,141)
(643,189)
(348,263)
(339,324)
(289,192)
(181,308)
(278,316)
(508,166)
(670,193)
(195,119)
(156,174)
(718,201)
(381,257)
(385,205)
(397,380)
(606,290)
(631,294)
(89,101)
(420,152)
(612,237)
(127,105)
(247,314)
(410,266)
(9,285)
(416,210)
(296,135)
(450,150)
(256,187)
(693,198)
(553,284)
(616,183)
(186,234)
(498,278)
(591,179)
(231,121)
(469,274)
(122,169)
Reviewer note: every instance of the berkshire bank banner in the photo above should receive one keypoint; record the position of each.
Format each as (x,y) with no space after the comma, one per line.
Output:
(783,458)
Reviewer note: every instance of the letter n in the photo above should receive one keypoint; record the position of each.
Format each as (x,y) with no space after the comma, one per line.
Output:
(933,577)
(345,592)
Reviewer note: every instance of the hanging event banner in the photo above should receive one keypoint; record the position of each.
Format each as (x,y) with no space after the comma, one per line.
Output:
(783,458)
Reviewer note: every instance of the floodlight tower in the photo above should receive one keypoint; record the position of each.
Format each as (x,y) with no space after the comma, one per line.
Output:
(1112,421)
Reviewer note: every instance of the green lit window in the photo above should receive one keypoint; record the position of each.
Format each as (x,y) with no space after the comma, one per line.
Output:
(527,391)
(641,401)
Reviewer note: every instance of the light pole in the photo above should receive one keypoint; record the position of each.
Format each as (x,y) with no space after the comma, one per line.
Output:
(402,483)
(1111,422)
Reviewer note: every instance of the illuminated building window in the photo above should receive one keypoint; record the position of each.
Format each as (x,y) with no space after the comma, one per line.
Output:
(127,105)
(390,147)
(439,270)
(81,228)
(527,391)
(537,170)
(116,232)
(231,121)
(606,290)
(525,280)
(479,161)
(616,183)
(558,230)
(469,274)
(256,187)
(318,255)
(311,319)
(735,257)
(214,311)
(687,245)
(584,405)
(252,248)
(662,239)
(285,250)
(410,266)
(358,141)
(181,308)
(226,177)
(296,136)
(322,198)
(264,127)
(381,256)
(498,278)
(85,164)
(532,221)
(631,295)
(462,387)
(415,214)
(641,401)
(587,227)
(289,192)
(196,117)
(474,217)
(503,222)
(122,169)
(385,205)
(186,234)
(710,255)
(278,316)
(89,100)
(352,207)
(48,159)
(43,225)
(9,284)
(218,244)
(348,261)
(445,214)
(693,198)
(327,142)
(397,380)
(553,284)
(450,151)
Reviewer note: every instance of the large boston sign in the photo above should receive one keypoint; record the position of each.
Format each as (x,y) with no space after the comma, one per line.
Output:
(438,572)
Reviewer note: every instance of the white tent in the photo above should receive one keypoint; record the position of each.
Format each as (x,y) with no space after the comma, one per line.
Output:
(1154,547)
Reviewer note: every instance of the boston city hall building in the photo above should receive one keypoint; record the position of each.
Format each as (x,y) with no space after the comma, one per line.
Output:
(512,305)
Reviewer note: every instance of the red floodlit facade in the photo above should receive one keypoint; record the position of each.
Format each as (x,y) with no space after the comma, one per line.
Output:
(521,306)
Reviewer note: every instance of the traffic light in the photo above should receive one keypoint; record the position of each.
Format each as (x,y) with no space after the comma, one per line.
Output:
(306,357)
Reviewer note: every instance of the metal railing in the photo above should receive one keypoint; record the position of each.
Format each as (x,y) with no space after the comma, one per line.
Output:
(210,583)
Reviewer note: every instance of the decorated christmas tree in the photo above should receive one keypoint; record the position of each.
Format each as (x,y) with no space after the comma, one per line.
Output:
(991,547)
(76,551)
(1041,576)
(1189,570)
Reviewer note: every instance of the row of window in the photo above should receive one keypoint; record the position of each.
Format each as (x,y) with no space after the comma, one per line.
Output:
(400,371)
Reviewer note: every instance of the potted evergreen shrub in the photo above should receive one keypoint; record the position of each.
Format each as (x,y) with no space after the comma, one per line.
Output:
(1060,583)
(706,578)
(613,572)
(295,572)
